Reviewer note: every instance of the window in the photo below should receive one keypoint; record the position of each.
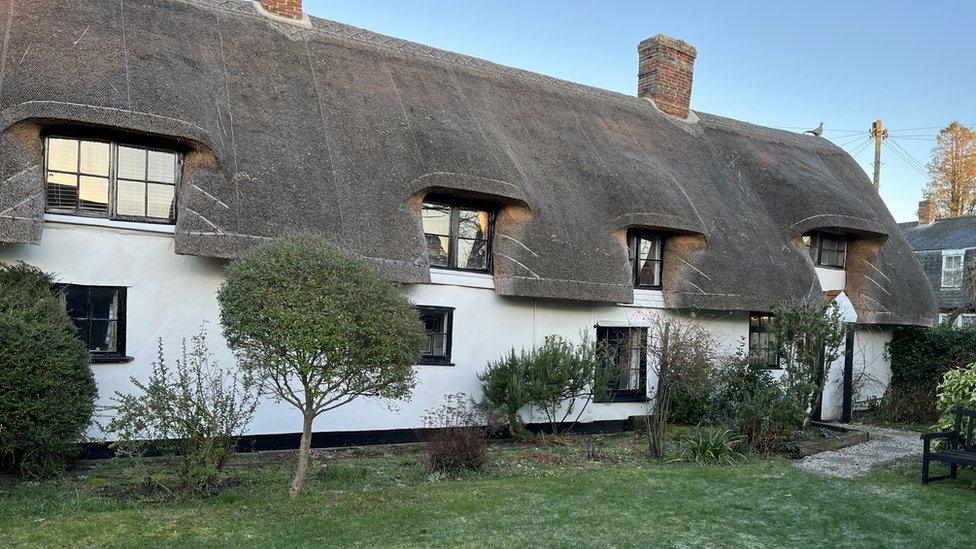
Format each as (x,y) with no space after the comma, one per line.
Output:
(952,269)
(827,249)
(629,346)
(99,315)
(106,179)
(438,325)
(966,320)
(762,343)
(458,237)
(645,257)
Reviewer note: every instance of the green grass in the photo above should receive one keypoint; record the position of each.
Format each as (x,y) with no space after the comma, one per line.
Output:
(550,495)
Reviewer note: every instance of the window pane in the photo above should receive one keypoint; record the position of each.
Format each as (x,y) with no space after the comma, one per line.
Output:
(436,219)
(103,335)
(81,326)
(472,254)
(131,198)
(162,167)
(650,273)
(160,201)
(104,303)
(437,250)
(76,301)
(93,194)
(94,158)
(649,248)
(62,190)
(62,154)
(473,224)
(132,163)
(433,322)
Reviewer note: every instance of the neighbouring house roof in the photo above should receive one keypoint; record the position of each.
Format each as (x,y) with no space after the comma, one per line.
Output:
(954,233)
(341,131)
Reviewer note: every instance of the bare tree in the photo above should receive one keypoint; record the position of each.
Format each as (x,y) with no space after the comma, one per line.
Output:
(677,350)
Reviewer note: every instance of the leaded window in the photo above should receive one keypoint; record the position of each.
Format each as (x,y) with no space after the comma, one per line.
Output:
(762,342)
(628,346)
(438,325)
(952,270)
(98,313)
(827,249)
(458,237)
(645,258)
(113,180)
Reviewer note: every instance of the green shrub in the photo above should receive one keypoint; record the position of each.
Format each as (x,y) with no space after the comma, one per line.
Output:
(196,411)
(958,388)
(758,406)
(503,386)
(47,389)
(709,446)
(920,357)
(553,378)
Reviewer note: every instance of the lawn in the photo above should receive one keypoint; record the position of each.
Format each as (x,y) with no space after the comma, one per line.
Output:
(556,495)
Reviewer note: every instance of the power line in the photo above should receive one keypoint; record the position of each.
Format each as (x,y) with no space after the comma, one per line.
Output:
(906,157)
(847,140)
(861,148)
(894,141)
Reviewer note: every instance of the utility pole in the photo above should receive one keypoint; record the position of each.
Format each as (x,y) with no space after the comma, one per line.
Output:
(879,133)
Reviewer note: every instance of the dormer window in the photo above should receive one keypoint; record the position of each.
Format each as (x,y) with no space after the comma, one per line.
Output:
(645,258)
(113,180)
(827,249)
(952,269)
(458,236)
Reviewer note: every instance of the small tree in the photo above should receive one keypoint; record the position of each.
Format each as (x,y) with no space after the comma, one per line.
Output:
(196,411)
(807,336)
(319,329)
(504,388)
(677,351)
(47,389)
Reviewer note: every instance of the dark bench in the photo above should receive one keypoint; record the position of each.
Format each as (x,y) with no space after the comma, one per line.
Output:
(959,449)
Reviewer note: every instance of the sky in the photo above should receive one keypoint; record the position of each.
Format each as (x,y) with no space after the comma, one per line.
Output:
(785,64)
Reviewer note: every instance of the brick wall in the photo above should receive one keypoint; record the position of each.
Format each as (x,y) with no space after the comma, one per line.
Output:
(665,73)
(284,8)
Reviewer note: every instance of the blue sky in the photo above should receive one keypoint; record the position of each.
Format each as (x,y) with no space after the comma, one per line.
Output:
(785,64)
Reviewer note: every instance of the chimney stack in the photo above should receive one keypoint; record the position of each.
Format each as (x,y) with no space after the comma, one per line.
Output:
(289,9)
(664,75)
(927,212)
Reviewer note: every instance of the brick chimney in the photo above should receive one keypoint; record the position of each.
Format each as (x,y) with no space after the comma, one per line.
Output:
(927,212)
(666,67)
(290,9)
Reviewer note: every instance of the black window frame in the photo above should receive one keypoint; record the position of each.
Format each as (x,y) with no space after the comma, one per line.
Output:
(455,207)
(611,336)
(114,140)
(761,328)
(817,249)
(634,239)
(448,313)
(118,355)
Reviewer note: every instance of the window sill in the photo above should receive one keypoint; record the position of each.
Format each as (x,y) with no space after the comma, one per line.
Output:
(626,398)
(161,228)
(111,359)
(452,277)
(435,364)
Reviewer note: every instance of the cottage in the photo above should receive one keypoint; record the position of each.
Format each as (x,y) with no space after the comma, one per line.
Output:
(946,248)
(146,143)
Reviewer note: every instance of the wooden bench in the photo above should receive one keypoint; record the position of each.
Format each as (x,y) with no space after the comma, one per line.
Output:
(959,449)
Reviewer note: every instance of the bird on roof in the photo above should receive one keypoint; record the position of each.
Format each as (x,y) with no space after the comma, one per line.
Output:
(818,131)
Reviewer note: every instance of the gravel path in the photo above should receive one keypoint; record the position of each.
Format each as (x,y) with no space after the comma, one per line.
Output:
(884,445)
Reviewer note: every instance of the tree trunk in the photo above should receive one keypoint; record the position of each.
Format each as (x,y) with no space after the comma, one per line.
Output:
(304,449)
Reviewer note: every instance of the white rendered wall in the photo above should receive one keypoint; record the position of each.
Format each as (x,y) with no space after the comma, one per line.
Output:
(170,296)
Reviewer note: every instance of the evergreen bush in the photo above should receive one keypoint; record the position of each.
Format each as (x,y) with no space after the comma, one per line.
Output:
(47,389)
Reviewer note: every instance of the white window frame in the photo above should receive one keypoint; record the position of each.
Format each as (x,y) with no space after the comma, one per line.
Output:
(946,256)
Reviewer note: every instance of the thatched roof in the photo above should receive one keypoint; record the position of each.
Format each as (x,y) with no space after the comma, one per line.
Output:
(341,131)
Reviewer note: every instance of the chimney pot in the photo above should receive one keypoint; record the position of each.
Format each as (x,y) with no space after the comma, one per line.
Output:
(927,212)
(666,67)
(289,9)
